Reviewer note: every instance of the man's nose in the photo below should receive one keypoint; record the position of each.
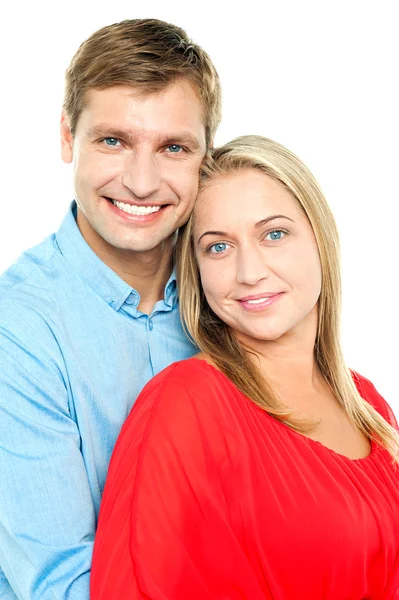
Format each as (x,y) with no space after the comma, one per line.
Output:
(142,174)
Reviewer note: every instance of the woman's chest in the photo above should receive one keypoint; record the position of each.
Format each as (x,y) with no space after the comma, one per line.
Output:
(310,517)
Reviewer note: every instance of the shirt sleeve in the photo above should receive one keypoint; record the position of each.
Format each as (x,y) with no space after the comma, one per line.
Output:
(164,528)
(47,517)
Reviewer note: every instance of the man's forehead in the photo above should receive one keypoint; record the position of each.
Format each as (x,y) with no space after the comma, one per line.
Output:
(181,94)
(122,109)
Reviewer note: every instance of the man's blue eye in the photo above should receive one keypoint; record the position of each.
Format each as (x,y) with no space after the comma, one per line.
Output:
(218,248)
(174,148)
(110,141)
(276,235)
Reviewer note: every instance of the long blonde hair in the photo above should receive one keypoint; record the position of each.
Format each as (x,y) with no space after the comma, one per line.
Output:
(214,338)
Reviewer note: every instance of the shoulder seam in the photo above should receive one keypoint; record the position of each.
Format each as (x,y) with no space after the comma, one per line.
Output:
(21,281)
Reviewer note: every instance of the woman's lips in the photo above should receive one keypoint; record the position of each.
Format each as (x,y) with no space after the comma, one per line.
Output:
(259,302)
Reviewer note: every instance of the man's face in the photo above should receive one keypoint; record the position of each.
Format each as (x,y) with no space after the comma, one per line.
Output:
(136,162)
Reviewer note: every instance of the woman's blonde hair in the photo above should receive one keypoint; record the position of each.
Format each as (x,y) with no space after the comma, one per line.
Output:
(214,338)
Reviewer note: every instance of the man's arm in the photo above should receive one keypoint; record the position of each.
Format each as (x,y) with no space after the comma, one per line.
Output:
(47,519)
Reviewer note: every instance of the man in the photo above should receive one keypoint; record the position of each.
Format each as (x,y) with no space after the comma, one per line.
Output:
(90,315)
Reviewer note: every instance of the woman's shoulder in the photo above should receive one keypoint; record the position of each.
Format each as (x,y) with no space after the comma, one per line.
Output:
(369,392)
(184,408)
(191,374)
(187,385)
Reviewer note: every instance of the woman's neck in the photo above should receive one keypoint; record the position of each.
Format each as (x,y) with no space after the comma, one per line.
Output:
(289,362)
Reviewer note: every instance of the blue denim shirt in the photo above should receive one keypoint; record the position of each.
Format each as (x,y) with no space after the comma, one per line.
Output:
(74,354)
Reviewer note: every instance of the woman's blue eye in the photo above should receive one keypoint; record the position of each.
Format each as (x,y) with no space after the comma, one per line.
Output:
(174,148)
(110,141)
(276,235)
(218,248)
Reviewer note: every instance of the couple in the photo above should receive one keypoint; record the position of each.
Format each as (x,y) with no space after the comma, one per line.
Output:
(260,466)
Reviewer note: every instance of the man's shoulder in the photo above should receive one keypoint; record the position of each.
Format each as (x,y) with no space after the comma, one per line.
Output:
(26,287)
(32,265)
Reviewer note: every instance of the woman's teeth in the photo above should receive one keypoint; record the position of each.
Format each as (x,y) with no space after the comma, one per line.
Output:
(258,301)
(135,210)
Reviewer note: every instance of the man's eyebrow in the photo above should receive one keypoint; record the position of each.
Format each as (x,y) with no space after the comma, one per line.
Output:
(107,131)
(184,138)
(256,226)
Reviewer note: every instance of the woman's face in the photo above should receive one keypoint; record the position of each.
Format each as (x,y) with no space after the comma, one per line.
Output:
(257,256)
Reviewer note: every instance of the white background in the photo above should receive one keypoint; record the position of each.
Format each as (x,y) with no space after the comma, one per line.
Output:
(320,77)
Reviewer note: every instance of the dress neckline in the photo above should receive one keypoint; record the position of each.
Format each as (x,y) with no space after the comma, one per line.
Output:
(311,442)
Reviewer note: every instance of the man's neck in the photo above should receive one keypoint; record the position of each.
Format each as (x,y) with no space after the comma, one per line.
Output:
(146,272)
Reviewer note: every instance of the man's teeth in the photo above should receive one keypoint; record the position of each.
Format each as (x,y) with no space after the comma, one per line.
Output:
(258,301)
(136,210)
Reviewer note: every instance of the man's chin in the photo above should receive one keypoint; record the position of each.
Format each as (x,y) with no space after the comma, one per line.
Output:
(141,247)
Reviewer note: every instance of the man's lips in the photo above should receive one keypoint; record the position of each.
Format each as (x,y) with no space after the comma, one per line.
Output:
(137,204)
(133,212)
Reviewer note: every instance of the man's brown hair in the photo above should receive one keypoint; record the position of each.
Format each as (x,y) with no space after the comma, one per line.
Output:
(145,53)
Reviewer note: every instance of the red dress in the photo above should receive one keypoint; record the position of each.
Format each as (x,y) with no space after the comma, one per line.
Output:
(210,498)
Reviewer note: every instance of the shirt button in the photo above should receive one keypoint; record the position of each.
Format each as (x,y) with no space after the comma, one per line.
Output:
(150,324)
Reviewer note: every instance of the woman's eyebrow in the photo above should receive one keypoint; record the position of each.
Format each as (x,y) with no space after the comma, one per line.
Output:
(265,221)
(256,226)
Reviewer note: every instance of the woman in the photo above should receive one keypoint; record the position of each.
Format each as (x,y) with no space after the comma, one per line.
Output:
(263,467)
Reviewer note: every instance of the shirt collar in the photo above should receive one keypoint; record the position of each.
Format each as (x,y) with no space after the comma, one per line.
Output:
(102,280)
(170,294)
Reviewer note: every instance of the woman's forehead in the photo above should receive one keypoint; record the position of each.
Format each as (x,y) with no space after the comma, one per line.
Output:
(244,192)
